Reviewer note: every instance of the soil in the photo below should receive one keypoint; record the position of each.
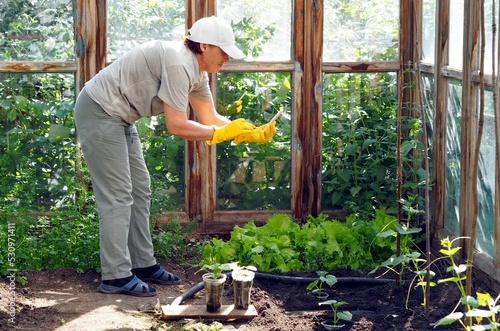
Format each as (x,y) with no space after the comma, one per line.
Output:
(66,300)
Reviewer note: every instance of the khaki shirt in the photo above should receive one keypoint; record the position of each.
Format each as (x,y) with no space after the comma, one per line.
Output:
(139,82)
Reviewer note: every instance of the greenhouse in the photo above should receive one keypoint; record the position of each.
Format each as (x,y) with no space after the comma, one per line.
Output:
(352,150)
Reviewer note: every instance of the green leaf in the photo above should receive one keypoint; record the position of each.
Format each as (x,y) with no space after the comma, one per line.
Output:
(58,132)
(367,143)
(387,233)
(448,319)
(351,149)
(344,315)
(469,300)
(479,313)
(406,147)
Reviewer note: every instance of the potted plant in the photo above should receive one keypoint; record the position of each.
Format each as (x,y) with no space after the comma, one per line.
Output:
(315,288)
(337,315)
(214,255)
(242,285)
(214,281)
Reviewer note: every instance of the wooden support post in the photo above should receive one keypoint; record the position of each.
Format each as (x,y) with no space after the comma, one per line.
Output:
(307,109)
(90,38)
(469,124)
(200,159)
(440,112)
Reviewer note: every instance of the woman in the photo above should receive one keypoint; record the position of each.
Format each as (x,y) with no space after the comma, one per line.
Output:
(153,78)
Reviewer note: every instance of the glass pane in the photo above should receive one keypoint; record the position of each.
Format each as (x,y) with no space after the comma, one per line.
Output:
(255,176)
(486,185)
(456,34)
(428,30)
(132,22)
(37,143)
(452,172)
(488,39)
(359,137)
(262,28)
(361,30)
(36,30)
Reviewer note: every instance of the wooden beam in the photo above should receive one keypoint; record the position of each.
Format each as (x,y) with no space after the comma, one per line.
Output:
(38,66)
(174,312)
(252,66)
(440,113)
(327,67)
(349,67)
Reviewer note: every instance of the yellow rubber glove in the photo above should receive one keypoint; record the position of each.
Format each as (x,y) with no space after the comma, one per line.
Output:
(230,130)
(259,135)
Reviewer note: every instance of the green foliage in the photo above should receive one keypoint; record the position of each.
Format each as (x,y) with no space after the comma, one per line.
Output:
(281,245)
(254,176)
(359,139)
(359,144)
(66,239)
(133,22)
(69,239)
(250,37)
(37,147)
(36,30)
(474,315)
(174,242)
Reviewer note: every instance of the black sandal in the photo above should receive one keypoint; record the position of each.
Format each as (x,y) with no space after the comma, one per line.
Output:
(162,277)
(135,287)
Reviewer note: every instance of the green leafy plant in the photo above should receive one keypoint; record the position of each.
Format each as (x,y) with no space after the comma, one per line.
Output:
(410,262)
(282,245)
(474,313)
(214,258)
(216,269)
(337,314)
(65,240)
(239,270)
(316,285)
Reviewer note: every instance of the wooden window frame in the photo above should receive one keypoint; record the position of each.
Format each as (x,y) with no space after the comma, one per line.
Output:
(307,70)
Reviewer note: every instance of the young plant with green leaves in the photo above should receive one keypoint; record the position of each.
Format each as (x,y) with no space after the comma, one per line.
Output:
(338,315)
(474,316)
(239,270)
(214,258)
(316,286)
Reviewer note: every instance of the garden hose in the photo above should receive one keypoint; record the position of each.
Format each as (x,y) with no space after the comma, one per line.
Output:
(287,279)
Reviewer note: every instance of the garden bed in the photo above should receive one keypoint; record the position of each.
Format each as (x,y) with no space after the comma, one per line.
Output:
(64,300)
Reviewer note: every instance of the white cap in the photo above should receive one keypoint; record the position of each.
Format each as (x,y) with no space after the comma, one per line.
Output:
(215,31)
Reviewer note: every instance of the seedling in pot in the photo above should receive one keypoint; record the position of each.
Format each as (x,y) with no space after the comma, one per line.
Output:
(242,272)
(216,269)
(214,255)
(337,315)
(316,286)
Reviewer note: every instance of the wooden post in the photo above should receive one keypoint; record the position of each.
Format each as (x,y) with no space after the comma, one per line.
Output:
(307,109)
(469,125)
(440,107)
(200,159)
(90,38)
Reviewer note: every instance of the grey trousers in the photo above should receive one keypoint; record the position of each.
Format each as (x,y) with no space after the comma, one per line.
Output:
(120,178)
